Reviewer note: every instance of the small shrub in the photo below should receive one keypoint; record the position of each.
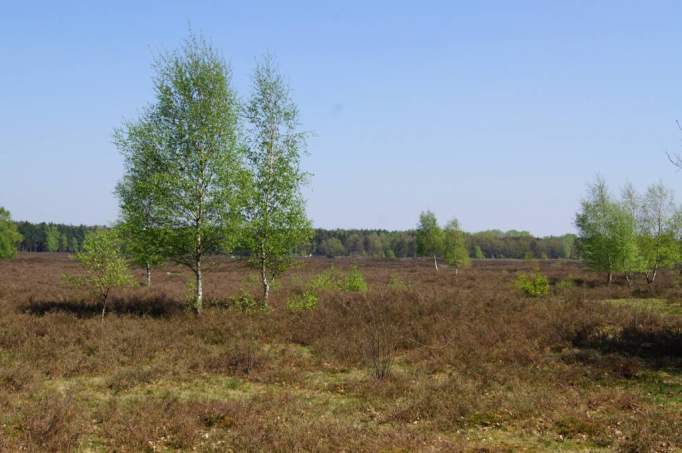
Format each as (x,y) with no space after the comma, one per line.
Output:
(328,280)
(532,285)
(307,300)
(245,302)
(380,352)
(103,264)
(355,282)
(396,283)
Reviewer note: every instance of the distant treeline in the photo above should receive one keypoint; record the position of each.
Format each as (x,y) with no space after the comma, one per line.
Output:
(50,237)
(399,244)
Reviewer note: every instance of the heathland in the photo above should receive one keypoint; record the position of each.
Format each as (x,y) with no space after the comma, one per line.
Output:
(351,354)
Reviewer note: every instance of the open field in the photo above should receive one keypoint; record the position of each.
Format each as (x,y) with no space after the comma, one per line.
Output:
(470,364)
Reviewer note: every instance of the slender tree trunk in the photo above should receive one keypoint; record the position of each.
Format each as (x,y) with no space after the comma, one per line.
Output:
(435,262)
(610,280)
(105,295)
(651,276)
(264,280)
(456,270)
(628,279)
(148,275)
(199,297)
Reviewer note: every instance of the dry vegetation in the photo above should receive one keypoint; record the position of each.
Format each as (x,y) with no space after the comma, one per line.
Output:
(423,361)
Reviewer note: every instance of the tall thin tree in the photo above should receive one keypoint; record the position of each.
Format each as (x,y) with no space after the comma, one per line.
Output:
(276,220)
(196,184)
(140,226)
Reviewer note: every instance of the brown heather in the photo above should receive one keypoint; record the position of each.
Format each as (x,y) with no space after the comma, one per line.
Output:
(437,363)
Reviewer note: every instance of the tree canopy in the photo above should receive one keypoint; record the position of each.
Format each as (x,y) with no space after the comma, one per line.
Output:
(9,235)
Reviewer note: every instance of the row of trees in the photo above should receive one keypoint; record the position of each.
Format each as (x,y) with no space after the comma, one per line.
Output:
(634,234)
(205,172)
(403,244)
(367,243)
(50,237)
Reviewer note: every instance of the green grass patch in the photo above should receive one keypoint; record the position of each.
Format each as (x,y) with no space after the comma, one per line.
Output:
(662,306)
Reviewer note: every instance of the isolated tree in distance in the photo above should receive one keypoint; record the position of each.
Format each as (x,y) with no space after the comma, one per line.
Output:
(140,228)
(9,235)
(478,253)
(103,264)
(331,247)
(567,246)
(275,211)
(52,238)
(455,250)
(607,233)
(429,237)
(659,225)
(197,189)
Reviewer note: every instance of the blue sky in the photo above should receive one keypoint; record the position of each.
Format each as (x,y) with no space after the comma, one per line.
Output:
(497,113)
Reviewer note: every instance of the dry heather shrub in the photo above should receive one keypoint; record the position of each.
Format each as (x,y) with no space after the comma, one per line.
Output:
(149,425)
(241,357)
(380,340)
(16,377)
(129,377)
(50,424)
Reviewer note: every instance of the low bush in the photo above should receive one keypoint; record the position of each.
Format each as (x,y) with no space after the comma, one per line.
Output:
(307,300)
(355,281)
(532,284)
(244,302)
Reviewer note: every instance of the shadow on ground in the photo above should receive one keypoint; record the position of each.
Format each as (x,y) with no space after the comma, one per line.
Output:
(656,348)
(154,307)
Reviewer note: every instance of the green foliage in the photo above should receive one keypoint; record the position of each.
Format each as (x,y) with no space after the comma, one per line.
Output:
(306,300)
(140,226)
(429,236)
(52,237)
(275,210)
(244,302)
(567,246)
(328,280)
(455,250)
(182,155)
(355,281)
(332,247)
(478,253)
(9,236)
(608,239)
(659,227)
(35,235)
(103,264)
(533,284)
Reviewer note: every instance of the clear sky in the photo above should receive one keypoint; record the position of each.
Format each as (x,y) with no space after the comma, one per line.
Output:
(497,113)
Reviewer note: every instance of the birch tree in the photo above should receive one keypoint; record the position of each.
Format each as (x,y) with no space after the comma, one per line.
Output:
(195,186)
(660,228)
(9,235)
(429,237)
(455,250)
(607,233)
(276,220)
(140,228)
